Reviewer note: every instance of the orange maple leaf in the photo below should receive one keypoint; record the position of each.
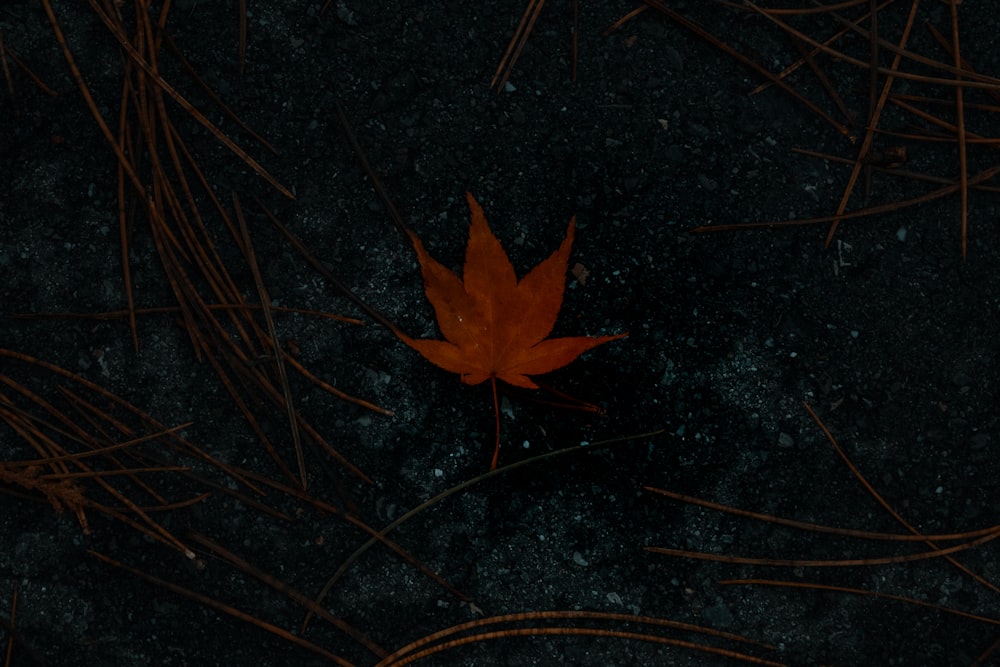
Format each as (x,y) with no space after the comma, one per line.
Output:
(495,326)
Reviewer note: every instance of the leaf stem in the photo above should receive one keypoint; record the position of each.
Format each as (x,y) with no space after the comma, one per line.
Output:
(496,412)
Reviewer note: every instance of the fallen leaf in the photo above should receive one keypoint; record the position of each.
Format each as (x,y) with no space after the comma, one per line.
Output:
(495,326)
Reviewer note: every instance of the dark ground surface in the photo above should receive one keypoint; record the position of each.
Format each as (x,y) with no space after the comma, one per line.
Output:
(888,334)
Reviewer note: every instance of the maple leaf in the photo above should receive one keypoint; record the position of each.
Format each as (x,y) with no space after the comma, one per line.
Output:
(495,326)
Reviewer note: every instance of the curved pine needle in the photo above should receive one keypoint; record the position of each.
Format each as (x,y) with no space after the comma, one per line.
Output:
(823,9)
(292,594)
(859,591)
(416,651)
(586,632)
(885,505)
(806,562)
(350,518)
(820,528)
(212,603)
(450,492)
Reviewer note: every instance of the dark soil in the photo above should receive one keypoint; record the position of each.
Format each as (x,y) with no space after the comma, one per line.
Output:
(888,334)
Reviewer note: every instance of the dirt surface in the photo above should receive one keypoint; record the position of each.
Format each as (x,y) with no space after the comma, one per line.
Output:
(888,334)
